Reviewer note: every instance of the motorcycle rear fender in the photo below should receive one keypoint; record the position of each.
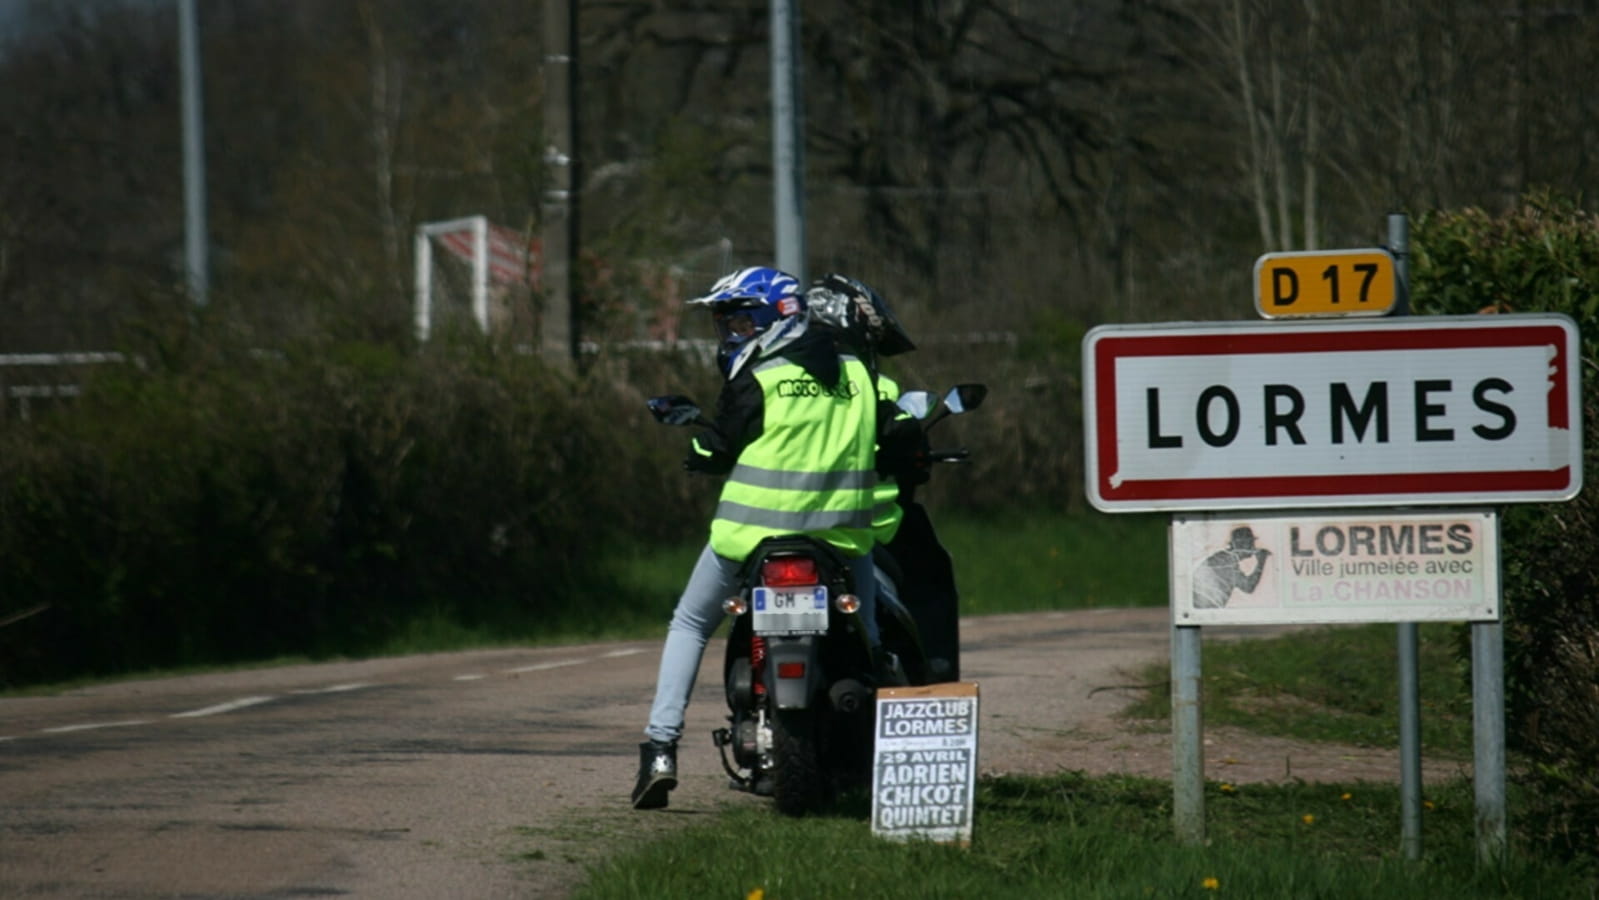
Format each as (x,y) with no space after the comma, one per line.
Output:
(794,693)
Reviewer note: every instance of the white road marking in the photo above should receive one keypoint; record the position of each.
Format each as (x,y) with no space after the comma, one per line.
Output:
(229,706)
(539,667)
(335,689)
(90,726)
(245,702)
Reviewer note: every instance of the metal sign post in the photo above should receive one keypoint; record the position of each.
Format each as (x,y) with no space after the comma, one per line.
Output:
(1488,737)
(788,139)
(1407,634)
(1188,737)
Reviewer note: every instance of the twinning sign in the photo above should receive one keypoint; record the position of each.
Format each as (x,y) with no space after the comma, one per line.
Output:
(1433,410)
(1355,566)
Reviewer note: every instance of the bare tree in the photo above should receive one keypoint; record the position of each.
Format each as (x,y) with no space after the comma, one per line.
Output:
(958,147)
(1263,61)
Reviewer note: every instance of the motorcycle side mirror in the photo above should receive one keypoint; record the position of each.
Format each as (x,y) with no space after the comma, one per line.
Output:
(675,409)
(917,403)
(961,398)
(965,397)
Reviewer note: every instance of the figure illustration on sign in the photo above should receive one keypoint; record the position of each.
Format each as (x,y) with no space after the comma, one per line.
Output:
(1222,572)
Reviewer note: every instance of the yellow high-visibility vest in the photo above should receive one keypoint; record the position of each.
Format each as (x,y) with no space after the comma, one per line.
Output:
(811,471)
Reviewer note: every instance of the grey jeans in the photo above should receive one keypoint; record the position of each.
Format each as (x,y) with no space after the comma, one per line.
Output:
(698,613)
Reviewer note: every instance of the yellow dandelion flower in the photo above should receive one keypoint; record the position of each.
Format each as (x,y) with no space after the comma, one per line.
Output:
(1308,819)
(1428,804)
(1227,788)
(757,894)
(1347,796)
(1210,884)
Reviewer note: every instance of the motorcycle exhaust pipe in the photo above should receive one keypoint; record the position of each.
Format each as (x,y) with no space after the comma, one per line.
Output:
(849,696)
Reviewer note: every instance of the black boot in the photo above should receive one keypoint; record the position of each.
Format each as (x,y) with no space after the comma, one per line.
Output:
(657,774)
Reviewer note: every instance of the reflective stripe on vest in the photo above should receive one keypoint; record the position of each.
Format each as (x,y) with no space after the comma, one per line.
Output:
(801,481)
(812,468)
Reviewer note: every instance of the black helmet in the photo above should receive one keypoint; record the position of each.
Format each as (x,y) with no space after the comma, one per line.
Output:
(859,314)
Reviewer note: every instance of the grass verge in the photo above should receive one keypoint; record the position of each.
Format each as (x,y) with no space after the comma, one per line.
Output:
(1074,836)
(1337,684)
(1112,837)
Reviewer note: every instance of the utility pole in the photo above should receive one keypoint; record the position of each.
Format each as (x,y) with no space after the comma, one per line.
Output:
(788,139)
(195,238)
(559,332)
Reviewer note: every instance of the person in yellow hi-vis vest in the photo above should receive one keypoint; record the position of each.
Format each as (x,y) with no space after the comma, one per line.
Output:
(795,433)
(913,568)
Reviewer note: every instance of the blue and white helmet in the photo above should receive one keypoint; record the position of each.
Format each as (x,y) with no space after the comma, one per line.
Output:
(756,310)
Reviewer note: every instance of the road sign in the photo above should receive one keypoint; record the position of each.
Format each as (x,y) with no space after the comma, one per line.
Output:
(1275,568)
(1405,411)
(1325,283)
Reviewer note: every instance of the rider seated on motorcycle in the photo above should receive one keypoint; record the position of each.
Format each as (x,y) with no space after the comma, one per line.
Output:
(863,324)
(795,431)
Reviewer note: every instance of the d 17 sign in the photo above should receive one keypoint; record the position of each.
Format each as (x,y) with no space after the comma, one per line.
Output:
(1325,283)
(1434,410)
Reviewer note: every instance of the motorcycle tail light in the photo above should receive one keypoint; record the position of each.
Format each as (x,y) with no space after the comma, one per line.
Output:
(735,605)
(847,603)
(789,571)
(791,670)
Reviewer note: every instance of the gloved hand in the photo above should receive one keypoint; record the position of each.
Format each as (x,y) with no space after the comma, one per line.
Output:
(703,465)
(706,460)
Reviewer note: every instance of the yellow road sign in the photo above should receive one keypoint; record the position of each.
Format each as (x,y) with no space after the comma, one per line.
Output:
(1325,283)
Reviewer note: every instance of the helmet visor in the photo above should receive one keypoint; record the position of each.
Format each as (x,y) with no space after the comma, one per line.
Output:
(736,324)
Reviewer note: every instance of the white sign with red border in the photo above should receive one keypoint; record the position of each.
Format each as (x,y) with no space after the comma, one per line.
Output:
(1423,410)
(1274,568)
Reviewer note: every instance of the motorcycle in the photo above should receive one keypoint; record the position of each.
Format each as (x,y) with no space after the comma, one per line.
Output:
(799,675)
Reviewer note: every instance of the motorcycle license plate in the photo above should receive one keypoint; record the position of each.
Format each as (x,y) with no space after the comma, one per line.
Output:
(800,610)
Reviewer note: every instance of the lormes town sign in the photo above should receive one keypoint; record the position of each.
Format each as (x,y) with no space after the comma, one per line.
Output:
(1427,410)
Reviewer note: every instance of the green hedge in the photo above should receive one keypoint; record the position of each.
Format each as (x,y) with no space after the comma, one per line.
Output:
(319,504)
(1541,256)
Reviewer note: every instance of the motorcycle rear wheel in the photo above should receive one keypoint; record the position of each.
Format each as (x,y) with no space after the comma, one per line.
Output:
(800,782)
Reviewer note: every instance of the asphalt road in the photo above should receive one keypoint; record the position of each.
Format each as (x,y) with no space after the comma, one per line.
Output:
(482,774)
